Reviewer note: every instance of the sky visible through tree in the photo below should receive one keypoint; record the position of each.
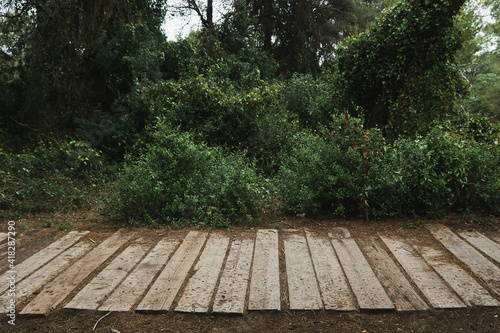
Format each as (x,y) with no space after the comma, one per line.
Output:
(176,25)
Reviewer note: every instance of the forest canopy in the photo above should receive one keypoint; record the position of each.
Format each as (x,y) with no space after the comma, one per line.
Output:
(340,107)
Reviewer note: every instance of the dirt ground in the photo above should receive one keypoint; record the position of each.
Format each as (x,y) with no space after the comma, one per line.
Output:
(36,231)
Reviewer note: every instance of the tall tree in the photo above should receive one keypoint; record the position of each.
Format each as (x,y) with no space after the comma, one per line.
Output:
(74,57)
(402,72)
(303,33)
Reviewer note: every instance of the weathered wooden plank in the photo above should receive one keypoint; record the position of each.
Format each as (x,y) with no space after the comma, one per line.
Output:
(162,293)
(92,295)
(464,285)
(129,291)
(303,288)
(59,288)
(41,277)
(3,236)
(43,256)
(366,287)
(477,263)
(335,290)
(430,284)
(200,287)
(233,286)
(265,281)
(399,289)
(483,243)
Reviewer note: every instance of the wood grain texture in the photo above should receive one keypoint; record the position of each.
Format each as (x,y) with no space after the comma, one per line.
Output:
(364,283)
(398,288)
(302,285)
(485,269)
(437,292)
(59,288)
(201,286)
(233,287)
(101,286)
(129,292)
(162,293)
(265,281)
(335,290)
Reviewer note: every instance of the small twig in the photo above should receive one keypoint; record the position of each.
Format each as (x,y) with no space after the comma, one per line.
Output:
(93,241)
(107,314)
(25,125)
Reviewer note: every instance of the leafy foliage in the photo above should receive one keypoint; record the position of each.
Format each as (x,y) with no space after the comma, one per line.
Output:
(177,181)
(431,175)
(51,177)
(209,129)
(401,72)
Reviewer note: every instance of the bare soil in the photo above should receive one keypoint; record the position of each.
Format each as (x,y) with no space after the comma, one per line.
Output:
(37,230)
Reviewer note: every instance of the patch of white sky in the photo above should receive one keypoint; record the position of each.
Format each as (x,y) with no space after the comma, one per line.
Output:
(178,25)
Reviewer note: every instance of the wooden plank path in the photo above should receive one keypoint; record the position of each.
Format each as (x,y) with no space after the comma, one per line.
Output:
(200,287)
(58,289)
(485,269)
(303,288)
(266,270)
(368,290)
(265,282)
(428,281)
(335,290)
(399,289)
(162,293)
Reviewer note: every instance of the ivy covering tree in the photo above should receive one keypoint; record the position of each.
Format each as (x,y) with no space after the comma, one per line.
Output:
(402,73)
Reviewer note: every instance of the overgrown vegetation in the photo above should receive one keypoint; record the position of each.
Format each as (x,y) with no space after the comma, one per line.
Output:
(399,120)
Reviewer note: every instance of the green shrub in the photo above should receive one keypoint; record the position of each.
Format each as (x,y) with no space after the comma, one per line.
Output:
(215,112)
(178,181)
(327,169)
(52,176)
(445,172)
(350,170)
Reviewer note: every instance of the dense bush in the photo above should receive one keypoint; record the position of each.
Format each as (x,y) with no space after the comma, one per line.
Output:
(307,100)
(337,172)
(177,181)
(327,169)
(52,176)
(214,111)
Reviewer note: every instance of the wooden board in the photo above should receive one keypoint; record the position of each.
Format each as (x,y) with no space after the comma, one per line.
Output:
(477,263)
(334,288)
(41,277)
(201,286)
(59,288)
(130,290)
(303,288)
(43,256)
(398,288)
(101,286)
(430,284)
(25,247)
(162,293)
(483,243)
(233,286)
(366,287)
(265,280)
(465,286)
(3,236)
